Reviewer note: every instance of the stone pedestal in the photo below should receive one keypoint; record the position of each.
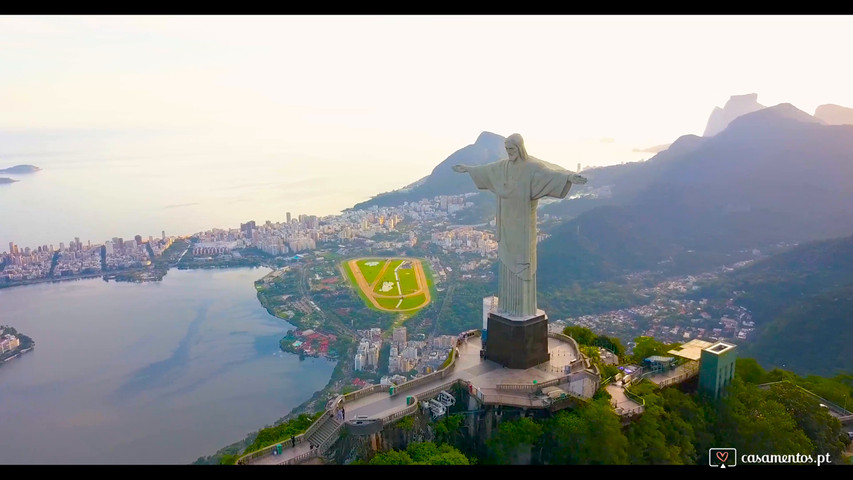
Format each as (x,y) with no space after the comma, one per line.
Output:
(517,342)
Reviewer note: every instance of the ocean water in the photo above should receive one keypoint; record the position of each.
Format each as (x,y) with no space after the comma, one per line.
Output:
(96,185)
(150,373)
(99,184)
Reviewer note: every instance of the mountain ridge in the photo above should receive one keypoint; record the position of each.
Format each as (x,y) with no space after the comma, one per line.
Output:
(799,298)
(442,180)
(736,106)
(833,114)
(773,175)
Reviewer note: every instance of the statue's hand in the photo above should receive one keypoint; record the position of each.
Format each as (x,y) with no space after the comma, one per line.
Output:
(575,178)
(460,168)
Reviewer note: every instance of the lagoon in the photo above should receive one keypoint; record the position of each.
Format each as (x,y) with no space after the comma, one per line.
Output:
(145,373)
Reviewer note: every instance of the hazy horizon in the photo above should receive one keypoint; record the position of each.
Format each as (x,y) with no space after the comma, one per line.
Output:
(334,109)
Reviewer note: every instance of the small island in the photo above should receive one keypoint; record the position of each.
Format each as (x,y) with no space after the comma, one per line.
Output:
(20,169)
(13,344)
(6,180)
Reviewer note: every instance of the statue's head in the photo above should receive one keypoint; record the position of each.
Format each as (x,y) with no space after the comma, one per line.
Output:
(515,147)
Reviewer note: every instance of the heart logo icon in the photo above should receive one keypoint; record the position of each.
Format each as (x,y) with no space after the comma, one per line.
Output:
(723,456)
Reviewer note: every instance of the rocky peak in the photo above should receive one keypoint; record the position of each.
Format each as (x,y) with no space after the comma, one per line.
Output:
(736,106)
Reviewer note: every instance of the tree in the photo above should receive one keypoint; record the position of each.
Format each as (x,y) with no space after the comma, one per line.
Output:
(449,455)
(284,431)
(750,371)
(391,457)
(609,370)
(823,429)
(611,343)
(676,427)
(514,441)
(647,443)
(582,335)
(752,420)
(647,346)
(591,434)
(448,429)
(422,453)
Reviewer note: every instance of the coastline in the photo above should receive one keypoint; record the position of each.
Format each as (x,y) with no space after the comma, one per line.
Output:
(16,355)
(298,369)
(308,406)
(36,281)
(317,397)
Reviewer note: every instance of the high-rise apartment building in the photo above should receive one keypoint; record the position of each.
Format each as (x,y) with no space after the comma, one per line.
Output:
(398,336)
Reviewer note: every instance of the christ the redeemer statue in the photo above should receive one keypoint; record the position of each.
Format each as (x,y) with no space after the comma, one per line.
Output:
(519,182)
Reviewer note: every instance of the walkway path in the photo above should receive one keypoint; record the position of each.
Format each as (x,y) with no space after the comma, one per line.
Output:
(483,374)
(620,401)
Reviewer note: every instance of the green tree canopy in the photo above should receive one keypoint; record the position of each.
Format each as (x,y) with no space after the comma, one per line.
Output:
(591,434)
(750,371)
(647,346)
(611,343)
(282,432)
(448,429)
(823,429)
(422,453)
(514,440)
(391,457)
(582,335)
(752,420)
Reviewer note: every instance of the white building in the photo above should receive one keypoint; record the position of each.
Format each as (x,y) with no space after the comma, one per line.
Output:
(490,305)
(409,353)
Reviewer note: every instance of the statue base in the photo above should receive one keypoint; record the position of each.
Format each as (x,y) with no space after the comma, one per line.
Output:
(518,342)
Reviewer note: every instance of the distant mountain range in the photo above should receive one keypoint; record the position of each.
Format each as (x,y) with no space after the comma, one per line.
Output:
(488,148)
(655,149)
(759,176)
(771,175)
(736,106)
(20,169)
(801,302)
(776,174)
(834,114)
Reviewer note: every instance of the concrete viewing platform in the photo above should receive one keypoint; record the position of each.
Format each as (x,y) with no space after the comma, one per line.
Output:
(369,409)
(492,383)
(676,375)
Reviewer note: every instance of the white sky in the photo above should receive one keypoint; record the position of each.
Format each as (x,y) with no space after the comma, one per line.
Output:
(416,88)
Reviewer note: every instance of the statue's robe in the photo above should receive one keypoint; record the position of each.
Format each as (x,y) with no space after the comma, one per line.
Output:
(519,185)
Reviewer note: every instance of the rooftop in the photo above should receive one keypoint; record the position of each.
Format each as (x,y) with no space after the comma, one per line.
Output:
(719,348)
(691,350)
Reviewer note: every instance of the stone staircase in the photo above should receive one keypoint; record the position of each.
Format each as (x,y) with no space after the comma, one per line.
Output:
(323,436)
